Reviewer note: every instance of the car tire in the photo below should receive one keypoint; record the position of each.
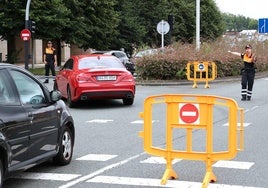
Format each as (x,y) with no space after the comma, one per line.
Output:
(70,103)
(1,174)
(128,101)
(65,152)
(55,86)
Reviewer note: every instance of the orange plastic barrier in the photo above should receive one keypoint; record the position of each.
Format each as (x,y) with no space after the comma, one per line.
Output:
(191,113)
(201,71)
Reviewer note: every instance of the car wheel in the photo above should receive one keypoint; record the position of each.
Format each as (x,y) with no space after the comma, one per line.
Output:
(128,101)
(55,86)
(65,153)
(1,174)
(70,103)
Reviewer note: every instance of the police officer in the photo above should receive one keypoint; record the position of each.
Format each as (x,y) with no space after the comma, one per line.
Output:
(50,60)
(247,72)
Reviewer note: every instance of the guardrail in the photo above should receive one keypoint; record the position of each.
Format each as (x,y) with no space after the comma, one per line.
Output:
(190,113)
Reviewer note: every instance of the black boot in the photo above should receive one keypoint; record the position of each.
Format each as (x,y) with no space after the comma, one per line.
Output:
(243,98)
(248,98)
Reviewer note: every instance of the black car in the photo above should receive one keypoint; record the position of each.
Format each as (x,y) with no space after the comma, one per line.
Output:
(35,125)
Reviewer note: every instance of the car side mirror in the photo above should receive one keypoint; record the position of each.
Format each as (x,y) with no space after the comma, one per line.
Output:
(55,95)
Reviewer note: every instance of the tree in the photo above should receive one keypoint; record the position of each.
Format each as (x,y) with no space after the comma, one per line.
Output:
(238,23)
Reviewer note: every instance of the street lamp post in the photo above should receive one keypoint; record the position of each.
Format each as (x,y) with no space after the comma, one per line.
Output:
(197,25)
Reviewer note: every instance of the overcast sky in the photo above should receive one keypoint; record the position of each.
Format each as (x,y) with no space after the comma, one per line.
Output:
(249,8)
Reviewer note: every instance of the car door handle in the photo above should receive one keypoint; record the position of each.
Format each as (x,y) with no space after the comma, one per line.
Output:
(30,114)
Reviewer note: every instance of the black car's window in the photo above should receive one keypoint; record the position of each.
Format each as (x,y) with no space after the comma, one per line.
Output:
(99,62)
(30,92)
(7,95)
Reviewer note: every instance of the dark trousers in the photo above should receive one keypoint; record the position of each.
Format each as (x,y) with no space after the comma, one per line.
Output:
(50,66)
(247,82)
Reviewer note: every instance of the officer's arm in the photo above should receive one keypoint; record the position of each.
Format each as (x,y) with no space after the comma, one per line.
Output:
(235,53)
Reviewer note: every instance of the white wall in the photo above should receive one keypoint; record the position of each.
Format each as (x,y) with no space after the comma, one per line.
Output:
(3,50)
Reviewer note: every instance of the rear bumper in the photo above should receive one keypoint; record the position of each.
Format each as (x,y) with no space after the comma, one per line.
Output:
(106,95)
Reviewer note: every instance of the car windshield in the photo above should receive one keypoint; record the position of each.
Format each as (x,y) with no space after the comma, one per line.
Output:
(99,62)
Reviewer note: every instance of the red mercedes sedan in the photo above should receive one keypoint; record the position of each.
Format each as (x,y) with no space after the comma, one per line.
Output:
(95,76)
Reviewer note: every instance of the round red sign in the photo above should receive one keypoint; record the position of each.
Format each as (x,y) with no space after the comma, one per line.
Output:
(189,113)
(25,34)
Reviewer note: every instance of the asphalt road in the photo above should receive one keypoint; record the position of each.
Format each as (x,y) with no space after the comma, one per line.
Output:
(109,153)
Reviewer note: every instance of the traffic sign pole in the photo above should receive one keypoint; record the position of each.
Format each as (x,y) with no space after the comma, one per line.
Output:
(163,28)
(26,42)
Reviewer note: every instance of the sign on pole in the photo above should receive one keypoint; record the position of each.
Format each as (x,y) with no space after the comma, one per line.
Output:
(163,28)
(25,35)
(263,25)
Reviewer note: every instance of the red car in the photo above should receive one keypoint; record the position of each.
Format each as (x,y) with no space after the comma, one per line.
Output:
(95,76)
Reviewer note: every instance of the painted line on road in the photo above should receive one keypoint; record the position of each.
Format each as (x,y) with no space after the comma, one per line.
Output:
(96,157)
(234,164)
(100,121)
(146,182)
(142,122)
(100,171)
(238,124)
(46,176)
(158,160)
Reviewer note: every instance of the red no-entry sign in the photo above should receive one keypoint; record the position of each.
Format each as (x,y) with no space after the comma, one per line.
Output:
(189,113)
(25,34)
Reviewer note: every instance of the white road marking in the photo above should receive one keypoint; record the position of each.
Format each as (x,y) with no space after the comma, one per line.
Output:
(100,171)
(146,182)
(142,122)
(100,121)
(238,124)
(158,160)
(96,157)
(46,176)
(234,164)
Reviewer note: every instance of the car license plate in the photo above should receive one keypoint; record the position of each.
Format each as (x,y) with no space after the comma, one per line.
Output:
(103,78)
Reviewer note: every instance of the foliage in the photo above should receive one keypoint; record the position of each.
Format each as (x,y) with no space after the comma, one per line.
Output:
(171,62)
(114,24)
(238,23)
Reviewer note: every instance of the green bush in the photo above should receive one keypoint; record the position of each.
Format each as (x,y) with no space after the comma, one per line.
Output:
(170,63)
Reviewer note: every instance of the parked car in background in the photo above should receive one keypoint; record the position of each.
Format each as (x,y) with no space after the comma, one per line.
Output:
(35,124)
(145,53)
(122,56)
(95,76)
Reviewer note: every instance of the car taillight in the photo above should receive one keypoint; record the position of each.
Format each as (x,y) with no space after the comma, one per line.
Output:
(82,78)
(128,79)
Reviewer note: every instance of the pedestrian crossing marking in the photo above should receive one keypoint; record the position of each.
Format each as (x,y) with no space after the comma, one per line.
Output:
(158,160)
(234,164)
(148,182)
(100,121)
(141,121)
(96,157)
(238,124)
(46,176)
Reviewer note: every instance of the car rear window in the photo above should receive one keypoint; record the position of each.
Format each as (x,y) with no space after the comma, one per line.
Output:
(99,62)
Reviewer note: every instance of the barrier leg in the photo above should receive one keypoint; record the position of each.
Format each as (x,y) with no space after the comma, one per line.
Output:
(169,173)
(195,84)
(209,177)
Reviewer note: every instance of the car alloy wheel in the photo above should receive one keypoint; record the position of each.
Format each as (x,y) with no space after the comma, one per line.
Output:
(65,153)
(128,101)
